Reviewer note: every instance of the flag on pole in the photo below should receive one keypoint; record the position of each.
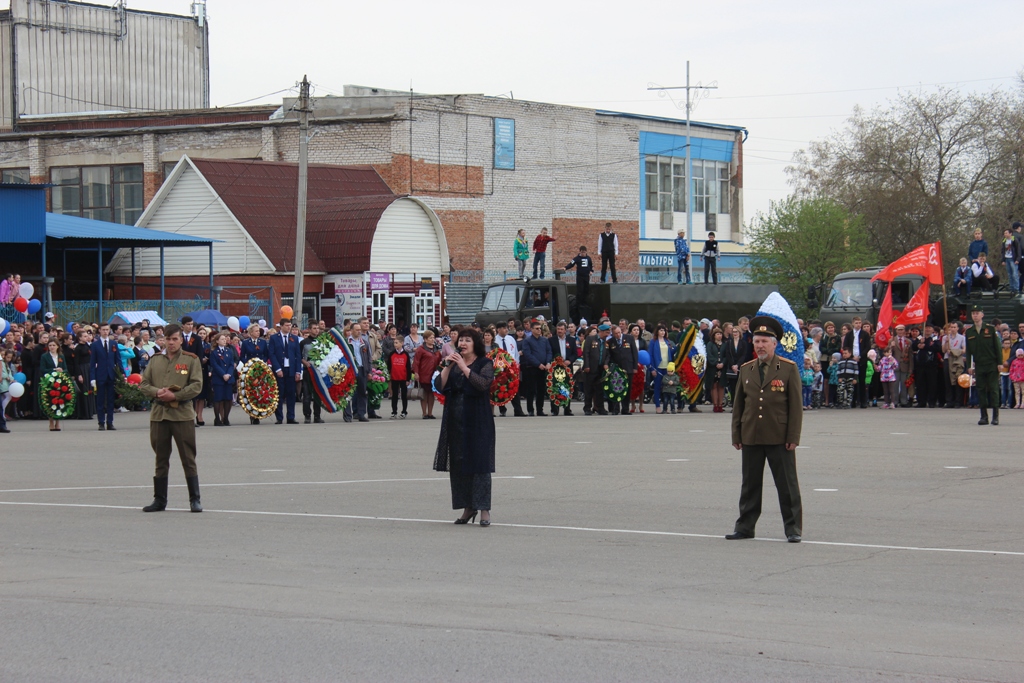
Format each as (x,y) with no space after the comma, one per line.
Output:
(916,311)
(885,319)
(926,261)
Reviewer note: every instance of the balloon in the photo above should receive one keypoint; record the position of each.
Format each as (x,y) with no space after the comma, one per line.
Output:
(21,304)
(287,312)
(964,380)
(3,326)
(17,390)
(69,326)
(244,322)
(34,306)
(20,377)
(233,323)
(134,378)
(26,290)
(644,358)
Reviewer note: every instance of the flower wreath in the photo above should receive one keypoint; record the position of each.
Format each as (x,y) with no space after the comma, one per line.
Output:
(616,384)
(636,390)
(506,378)
(257,390)
(57,395)
(377,382)
(560,383)
(332,369)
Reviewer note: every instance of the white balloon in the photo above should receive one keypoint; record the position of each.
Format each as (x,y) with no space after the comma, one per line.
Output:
(26,290)
(3,324)
(233,323)
(17,390)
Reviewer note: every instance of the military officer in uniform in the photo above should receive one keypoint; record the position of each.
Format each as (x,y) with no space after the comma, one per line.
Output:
(985,349)
(766,419)
(172,379)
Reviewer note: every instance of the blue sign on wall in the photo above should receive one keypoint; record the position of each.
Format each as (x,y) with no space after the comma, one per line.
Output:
(505,143)
(23,213)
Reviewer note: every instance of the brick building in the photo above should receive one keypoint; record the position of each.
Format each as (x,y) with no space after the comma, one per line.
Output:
(486,166)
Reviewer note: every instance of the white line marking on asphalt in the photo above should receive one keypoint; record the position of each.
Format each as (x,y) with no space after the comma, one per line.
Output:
(583,442)
(826,489)
(642,532)
(955,467)
(678,460)
(252,483)
(899,433)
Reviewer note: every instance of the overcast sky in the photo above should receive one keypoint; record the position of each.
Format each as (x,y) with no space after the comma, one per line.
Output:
(787,71)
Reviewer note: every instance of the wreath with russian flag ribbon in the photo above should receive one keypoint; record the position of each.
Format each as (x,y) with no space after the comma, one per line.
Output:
(691,363)
(505,385)
(257,389)
(560,383)
(332,369)
(57,395)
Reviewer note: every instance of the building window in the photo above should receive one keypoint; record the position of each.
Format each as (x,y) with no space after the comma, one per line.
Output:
(424,309)
(379,313)
(15,175)
(666,184)
(710,186)
(104,193)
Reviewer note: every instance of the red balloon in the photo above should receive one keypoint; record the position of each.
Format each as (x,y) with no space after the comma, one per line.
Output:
(134,378)
(21,304)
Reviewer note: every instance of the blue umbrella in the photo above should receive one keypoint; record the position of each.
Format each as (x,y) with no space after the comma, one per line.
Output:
(209,317)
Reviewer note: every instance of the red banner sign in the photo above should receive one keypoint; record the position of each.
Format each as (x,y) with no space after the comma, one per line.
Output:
(926,261)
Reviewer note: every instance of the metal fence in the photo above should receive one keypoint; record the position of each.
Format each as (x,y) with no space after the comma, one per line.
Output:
(9,313)
(78,311)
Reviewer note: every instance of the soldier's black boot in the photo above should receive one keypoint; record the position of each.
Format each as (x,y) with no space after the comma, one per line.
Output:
(995,416)
(984,417)
(159,503)
(193,494)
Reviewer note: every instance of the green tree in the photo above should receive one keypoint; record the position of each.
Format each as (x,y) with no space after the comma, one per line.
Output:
(806,242)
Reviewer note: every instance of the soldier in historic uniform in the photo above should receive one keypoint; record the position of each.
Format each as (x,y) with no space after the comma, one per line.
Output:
(985,349)
(766,419)
(172,379)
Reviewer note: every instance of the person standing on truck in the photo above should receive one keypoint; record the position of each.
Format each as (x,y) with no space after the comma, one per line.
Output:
(682,257)
(977,247)
(584,266)
(540,251)
(608,246)
(521,251)
(1011,258)
(710,255)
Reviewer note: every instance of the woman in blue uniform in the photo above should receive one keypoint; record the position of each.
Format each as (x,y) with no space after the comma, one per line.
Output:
(255,347)
(224,377)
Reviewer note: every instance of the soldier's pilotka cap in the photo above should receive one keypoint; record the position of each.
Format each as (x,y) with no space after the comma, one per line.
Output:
(977,307)
(766,326)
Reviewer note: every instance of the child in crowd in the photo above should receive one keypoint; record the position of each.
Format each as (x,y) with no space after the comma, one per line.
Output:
(888,367)
(807,382)
(874,391)
(817,388)
(833,379)
(1005,385)
(847,374)
(669,389)
(1017,377)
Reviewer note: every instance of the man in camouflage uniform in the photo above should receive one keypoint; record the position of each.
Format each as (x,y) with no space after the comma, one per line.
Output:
(985,349)
(172,379)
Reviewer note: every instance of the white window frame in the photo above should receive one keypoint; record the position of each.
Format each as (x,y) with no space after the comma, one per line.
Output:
(378,307)
(423,308)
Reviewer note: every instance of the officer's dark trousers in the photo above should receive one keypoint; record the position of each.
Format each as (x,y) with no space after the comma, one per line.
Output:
(987,382)
(184,436)
(783,464)
(593,396)
(608,260)
(535,390)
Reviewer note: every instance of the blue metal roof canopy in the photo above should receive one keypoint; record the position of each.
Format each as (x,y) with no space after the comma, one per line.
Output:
(76,233)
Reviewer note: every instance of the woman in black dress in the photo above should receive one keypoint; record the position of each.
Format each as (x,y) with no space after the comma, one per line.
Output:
(465,447)
(85,409)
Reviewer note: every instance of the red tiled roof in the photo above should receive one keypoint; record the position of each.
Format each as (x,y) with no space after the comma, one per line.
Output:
(262,196)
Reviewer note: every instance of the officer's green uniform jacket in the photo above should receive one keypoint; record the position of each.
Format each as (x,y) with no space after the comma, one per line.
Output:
(768,414)
(185,371)
(984,347)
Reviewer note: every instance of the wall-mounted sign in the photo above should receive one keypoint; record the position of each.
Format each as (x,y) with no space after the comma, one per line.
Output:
(348,296)
(380,282)
(505,143)
(658,260)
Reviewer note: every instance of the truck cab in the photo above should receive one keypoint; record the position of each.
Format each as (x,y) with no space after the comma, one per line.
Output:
(853,294)
(524,299)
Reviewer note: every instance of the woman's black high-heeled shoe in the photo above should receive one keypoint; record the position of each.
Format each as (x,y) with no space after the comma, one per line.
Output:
(466,520)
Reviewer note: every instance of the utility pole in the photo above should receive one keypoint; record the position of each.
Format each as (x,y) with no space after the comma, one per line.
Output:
(300,221)
(690,104)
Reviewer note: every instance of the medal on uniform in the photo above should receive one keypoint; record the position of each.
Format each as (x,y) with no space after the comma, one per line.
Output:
(778,385)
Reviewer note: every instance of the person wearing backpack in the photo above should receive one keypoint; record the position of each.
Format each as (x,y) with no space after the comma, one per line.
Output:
(398,365)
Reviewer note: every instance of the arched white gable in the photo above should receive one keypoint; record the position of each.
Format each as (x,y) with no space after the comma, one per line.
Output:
(409,239)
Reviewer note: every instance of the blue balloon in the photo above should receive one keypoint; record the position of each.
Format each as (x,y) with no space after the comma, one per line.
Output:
(644,358)
(68,328)
(20,377)
(34,305)
(7,328)
(243,322)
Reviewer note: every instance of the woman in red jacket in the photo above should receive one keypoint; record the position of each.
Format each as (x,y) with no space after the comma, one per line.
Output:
(424,363)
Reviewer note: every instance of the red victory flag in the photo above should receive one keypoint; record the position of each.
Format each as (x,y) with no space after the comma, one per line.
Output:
(926,261)
(916,311)
(885,319)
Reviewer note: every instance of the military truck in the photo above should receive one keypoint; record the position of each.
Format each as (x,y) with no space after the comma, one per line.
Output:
(556,299)
(853,294)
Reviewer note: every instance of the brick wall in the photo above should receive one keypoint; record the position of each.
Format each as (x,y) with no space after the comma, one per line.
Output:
(570,233)
(464,232)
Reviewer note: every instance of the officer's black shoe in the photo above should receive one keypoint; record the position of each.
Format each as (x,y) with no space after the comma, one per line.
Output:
(738,535)
(102,428)
(159,503)
(306,421)
(293,422)
(984,417)
(193,494)
(995,416)
(111,428)
(554,411)
(320,420)
(794,538)
(540,414)
(568,413)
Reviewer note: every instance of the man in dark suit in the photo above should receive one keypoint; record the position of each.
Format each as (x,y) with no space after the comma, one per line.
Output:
(286,362)
(595,364)
(858,342)
(565,346)
(361,352)
(624,353)
(767,418)
(106,367)
(190,341)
